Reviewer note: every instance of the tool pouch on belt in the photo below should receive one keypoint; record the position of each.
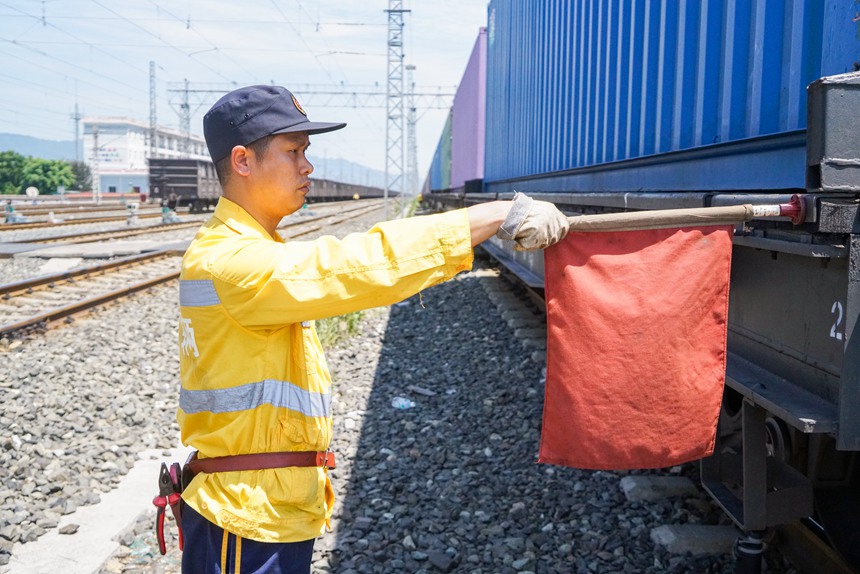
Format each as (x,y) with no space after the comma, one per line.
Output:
(186,475)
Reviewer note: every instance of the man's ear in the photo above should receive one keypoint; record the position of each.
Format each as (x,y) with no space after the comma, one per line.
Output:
(240,160)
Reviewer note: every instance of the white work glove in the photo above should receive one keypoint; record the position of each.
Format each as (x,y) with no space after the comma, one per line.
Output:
(533,224)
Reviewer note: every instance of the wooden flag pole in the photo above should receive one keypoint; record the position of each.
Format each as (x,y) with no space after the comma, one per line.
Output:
(694,217)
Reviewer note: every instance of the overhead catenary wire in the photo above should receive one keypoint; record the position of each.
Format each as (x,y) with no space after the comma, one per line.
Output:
(200,34)
(185,50)
(26,45)
(231,22)
(107,103)
(95,28)
(194,48)
(67,65)
(369,123)
(165,42)
(67,33)
(122,97)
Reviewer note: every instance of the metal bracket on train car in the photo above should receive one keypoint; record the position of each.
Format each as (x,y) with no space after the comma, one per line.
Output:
(832,155)
(772,492)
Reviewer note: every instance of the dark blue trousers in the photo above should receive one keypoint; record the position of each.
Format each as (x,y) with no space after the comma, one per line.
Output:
(212,550)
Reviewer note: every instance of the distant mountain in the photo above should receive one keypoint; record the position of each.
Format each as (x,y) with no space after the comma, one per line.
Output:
(35,147)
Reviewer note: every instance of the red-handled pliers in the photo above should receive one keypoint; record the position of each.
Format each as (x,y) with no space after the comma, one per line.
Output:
(168,494)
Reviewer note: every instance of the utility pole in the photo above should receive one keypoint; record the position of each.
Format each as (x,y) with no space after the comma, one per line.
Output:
(77,117)
(412,136)
(153,120)
(97,192)
(184,112)
(185,123)
(394,152)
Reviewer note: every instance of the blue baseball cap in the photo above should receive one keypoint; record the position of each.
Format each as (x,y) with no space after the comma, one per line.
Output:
(245,115)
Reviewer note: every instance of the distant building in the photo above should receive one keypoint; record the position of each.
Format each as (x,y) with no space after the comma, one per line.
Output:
(123,150)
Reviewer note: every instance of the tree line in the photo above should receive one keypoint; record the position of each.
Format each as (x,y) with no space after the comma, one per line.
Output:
(18,172)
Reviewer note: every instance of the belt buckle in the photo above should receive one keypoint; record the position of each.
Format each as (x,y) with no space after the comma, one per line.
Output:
(322,458)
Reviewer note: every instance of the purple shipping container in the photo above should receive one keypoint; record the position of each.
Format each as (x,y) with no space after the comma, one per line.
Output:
(467,121)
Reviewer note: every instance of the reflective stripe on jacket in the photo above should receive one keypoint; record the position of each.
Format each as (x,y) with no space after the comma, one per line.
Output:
(254,378)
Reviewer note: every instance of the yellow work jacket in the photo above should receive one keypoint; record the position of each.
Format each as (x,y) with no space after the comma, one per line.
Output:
(254,378)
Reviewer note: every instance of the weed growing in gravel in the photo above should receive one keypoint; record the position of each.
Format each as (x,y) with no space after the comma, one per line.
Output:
(334,329)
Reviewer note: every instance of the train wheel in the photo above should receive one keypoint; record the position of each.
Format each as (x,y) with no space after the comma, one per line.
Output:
(778,440)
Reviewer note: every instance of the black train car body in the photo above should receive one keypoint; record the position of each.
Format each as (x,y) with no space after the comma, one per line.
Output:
(328,190)
(192,182)
(636,106)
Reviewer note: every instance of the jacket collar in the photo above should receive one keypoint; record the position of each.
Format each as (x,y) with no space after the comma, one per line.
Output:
(240,221)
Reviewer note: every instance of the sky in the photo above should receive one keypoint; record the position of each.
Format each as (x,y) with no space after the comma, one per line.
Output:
(97,53)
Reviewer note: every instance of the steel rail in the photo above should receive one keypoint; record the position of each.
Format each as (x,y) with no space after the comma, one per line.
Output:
(319,217)
(40,224)
(73,308)
(28,284)
(337,222)
(76,209)
(807,551)
(113,234)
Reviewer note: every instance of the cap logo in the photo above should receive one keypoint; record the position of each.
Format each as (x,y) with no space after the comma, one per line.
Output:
(298,106)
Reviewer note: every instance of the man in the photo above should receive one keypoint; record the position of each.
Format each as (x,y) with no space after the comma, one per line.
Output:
(256,393)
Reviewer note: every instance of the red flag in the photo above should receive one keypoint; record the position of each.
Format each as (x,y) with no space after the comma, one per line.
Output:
(636,350)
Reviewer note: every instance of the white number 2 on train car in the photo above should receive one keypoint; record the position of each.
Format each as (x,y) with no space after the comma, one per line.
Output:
(834,332)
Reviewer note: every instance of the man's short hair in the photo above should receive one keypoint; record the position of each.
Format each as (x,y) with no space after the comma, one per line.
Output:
(260,148)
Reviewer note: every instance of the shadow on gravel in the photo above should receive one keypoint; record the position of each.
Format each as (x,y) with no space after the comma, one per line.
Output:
(452,484)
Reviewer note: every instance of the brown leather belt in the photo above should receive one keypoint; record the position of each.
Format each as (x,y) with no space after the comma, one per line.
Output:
(259,461)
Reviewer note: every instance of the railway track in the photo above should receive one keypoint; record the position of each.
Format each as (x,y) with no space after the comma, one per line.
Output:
(40,302)
(64,209)
(72,238)
(103,219)
(71,292)
(807,549)
(125,231)
(337,218)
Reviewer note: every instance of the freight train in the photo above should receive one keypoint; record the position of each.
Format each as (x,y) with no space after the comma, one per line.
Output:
(190,183)
(194,184)
(612,106)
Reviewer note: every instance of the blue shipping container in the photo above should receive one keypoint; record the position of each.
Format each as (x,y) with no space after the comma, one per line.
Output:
(627,84)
